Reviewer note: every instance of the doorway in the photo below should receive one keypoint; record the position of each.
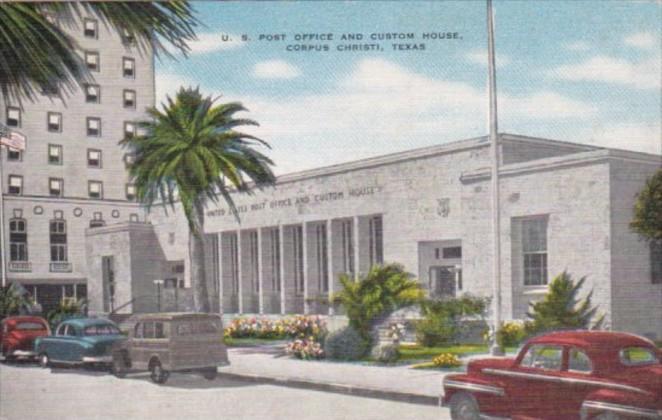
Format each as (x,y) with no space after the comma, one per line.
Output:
(443,281)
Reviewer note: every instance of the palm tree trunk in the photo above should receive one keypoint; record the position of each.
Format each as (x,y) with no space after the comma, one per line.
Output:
(197,259)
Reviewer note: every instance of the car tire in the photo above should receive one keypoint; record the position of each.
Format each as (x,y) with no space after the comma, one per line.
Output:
(210,373)
(119,366)
(464,407)
(44,360)
(158,375)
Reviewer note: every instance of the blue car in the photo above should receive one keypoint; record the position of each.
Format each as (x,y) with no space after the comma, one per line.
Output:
(81,341)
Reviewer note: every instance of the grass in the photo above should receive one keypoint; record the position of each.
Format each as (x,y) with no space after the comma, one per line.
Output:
(418,352)
(250,342)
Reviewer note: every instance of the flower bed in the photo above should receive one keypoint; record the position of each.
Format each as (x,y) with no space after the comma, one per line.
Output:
(305,349)
(287,328)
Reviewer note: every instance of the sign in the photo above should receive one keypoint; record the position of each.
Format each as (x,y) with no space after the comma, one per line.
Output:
(14,140)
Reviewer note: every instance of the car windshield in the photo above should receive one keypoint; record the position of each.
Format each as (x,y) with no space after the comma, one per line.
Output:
(637,356)
(106,329)
(30,326)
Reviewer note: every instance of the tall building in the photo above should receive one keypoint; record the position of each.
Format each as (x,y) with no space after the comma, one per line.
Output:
(72,175)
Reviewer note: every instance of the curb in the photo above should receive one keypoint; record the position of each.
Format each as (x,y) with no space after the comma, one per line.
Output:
(336,388)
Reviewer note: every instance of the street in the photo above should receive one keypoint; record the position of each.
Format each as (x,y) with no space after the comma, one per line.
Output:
(29,392)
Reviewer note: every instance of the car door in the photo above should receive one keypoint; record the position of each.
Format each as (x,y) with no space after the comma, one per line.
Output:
(57,344)
(575,386)
(68,348)
(534,383)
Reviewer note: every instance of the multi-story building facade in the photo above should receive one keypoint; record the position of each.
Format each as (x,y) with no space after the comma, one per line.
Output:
(72,174)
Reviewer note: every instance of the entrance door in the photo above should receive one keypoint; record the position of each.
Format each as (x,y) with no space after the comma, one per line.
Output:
(108,282)
(442,281)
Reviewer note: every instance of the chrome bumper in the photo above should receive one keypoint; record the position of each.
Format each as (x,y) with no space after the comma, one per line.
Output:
(97,359)
(644,413)
(23,353)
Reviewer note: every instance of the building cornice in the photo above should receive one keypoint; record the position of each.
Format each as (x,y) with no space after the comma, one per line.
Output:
(70,200)
(119,227)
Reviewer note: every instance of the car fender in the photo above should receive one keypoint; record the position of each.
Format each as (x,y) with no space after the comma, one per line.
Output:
(629,403)
(490,394)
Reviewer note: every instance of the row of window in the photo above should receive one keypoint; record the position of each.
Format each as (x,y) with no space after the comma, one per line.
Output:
(91,30)
(56,188)
(56,156)
(18,240)
(54,123)
(93,63)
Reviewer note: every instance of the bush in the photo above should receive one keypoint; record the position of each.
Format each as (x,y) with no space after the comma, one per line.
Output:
(386,353)
(442,323)
(447,360)
(511,334)
(346,344)
(66,310)
(305,349)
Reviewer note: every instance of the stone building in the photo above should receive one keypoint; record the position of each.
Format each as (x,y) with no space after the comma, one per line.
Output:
(564,207)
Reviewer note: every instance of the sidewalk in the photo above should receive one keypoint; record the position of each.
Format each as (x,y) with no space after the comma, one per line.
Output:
(267,364)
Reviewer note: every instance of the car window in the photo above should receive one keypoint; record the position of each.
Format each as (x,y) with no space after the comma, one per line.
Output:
(578,361)
(70,330)
(102,329)
(148,330)
(159,330)
(637,356)
(543,356)
(138,331)
(62,329)
(30,326)
(197,327)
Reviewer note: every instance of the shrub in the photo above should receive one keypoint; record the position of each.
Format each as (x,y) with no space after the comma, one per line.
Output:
(511,334)
(447,360)
(560,308)
(346,344)
(305,349)
(442,323)
(386,353)
(66,310)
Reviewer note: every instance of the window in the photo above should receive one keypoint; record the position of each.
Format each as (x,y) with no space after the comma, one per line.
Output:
(152,330)
(128,38)
(97,223)
(452,252)
(130,192)
(55,187)
(322,258)
(129,97)
(18,240)
(94,127)
(13,117)
(637,356)
(91,28)
(129,129)
(253,259)
(50,89)
(15,184)
(95,189)
(58,237)
(54,154)
(656,261)
(92,94)
(128,67)
(297,251)
(94,158)
(347,246)
(54,122)
(275,259)
(14,154)
(129,159)
(543,356)
(376,241)
(92,60)
(578,361)
(534,251)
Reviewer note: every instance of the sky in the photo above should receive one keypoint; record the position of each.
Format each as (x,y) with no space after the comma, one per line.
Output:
(581,71)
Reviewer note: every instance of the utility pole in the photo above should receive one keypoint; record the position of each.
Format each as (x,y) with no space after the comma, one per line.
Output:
(496,222)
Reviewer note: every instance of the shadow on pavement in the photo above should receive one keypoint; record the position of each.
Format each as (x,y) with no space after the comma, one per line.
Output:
(191,381)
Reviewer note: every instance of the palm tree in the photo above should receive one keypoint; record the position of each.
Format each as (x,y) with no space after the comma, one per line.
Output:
(35,52)
(190,152)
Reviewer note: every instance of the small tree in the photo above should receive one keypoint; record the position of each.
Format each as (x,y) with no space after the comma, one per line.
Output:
(647,220)
(13,301)
(561,309)
(383,290)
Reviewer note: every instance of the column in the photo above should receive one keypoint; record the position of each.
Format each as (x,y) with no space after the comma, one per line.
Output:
(281,266)
(240,282)
(220,272)
(304,240)
(355,239)
(260,286)
(329,265)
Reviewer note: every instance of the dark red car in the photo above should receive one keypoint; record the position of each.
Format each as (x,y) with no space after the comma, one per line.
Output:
(17,335)
(563,375)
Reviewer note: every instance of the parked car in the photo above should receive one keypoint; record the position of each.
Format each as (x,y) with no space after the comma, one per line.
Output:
(169,342)
(17,336)
(78,341)
(563,375)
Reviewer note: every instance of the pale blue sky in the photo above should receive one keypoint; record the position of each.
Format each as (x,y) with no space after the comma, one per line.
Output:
(582,71)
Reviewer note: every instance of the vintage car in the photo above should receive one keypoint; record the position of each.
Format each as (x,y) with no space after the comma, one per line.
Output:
(168,342)
(563,375)
(17,335)
(79,341)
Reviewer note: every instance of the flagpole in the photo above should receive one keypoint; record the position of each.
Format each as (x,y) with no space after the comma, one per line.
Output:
(496,222)
(3,254)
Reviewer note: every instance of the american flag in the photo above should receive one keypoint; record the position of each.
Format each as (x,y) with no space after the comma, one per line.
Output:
(11,139)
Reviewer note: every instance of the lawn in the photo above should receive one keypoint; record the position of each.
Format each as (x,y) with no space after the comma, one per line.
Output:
(418,352)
